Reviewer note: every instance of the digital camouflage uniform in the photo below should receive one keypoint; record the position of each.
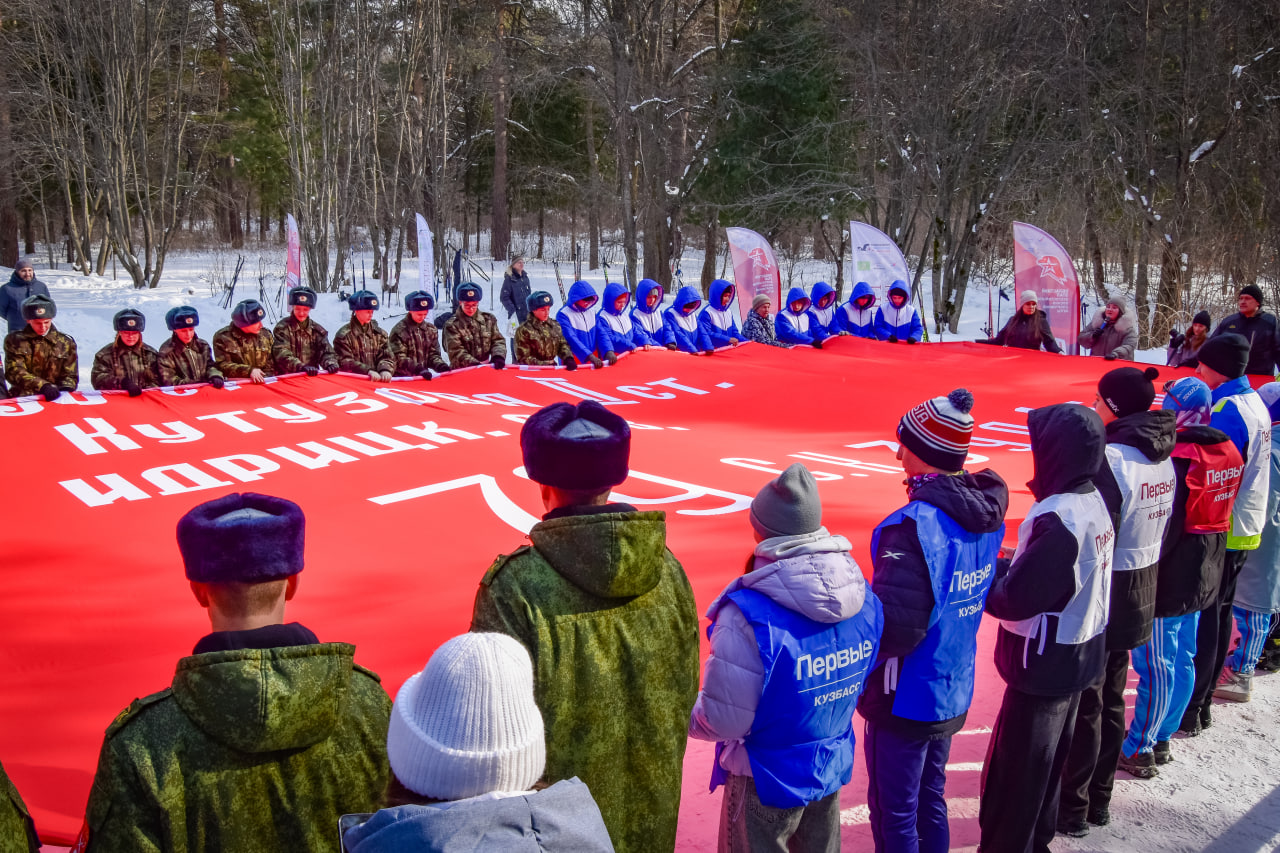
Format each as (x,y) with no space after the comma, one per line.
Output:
(32,361)
(416,347)
(298,345)
(249,750)
(116,363)
(17,832)
(469,341)
(237,354)
(609,620)
(540,342)
(363,347)
(184,364)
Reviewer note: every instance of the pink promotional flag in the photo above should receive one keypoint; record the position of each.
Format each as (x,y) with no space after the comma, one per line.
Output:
(1041,264)
(293,261)
(755,270)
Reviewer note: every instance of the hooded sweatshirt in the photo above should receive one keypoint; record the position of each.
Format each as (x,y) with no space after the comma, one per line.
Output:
(681,328)
(859,322)
(796,327)
(585,334)
(720,324)
(647,323)
(822,308)
(900,323)
(620,326)
(1119,338)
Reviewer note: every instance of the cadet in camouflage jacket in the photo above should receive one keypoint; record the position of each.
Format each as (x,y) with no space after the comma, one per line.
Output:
(541,341)
(117,365)
(184,364)
(363,348)
(237,354)
(416,347)
(469,341)
(17,832)
(300,344)
(32,361)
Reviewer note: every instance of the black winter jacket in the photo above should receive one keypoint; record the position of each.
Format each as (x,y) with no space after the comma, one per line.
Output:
(1190,563)
(515,293)
(977,502)
(1260,329)
(1027,332)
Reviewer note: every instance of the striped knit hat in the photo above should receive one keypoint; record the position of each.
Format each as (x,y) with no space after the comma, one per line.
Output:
(938,430)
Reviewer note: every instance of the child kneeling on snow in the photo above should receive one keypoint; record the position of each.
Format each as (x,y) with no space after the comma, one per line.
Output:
(792,641)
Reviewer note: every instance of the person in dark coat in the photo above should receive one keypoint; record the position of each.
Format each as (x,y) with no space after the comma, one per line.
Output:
(515,291)
(1184,348)
(21,284)
(1258,327)
(1027,329)
(1052,602)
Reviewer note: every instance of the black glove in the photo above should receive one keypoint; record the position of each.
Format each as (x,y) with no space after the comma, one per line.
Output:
(912,341)
(498,362)
(331,369)
(311,371)
(132,388)
(1111,356)
(817,344)
(893,339)
(217,381)
(442,368)
(595,361)
(1175,339)
(671,347)
(426,374)
(570,363)
(611,357)
(50,391)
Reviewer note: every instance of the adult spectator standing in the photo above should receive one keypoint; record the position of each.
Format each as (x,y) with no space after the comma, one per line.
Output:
(1111,333)
(38,359)
(1258,327)
(17,832)
(242,349)
(361,346)
(185,359)
(471,336)
(415,343)
(22,284)
(300,344)
(266,736)
(126,364)
(608,617)
(1185,347)
(515,291)
(933,563)
(1028,328)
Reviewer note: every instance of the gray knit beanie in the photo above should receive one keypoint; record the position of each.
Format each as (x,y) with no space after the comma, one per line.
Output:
(788,506)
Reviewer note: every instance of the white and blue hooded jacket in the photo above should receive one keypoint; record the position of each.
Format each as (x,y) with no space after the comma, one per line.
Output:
(581,329)
(902,323)
(682,327)
(822,308)
(797,328)
(720,324)
(859,322)
(618,323)
(647,329)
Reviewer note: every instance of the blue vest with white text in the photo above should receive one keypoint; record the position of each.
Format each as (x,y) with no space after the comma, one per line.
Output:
(935,681)
(801,741)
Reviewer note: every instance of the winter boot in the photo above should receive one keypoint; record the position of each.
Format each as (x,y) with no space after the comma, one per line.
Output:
(1163,752)
(1073,828)
(1140,765)
(1099,815)
(1270,660)
(1234,686)
(1206,716)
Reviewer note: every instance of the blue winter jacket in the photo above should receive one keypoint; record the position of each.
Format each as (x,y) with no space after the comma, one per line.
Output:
(617,323)
(903,323)
(581,329)
(822,309)
(720,324)
(647,327)
(797,328)
(683,329)
(859,322)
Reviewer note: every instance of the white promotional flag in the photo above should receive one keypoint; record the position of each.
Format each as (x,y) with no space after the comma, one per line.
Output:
(293,258)
(426,256)
(877,260)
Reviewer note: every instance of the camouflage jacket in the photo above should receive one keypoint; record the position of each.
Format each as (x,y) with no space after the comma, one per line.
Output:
(363,347)
(254,749)
(184,364)
(116,363)
(298,345)
(416,347)
(608,617)
(237,354)
(469,341)
(539,342)
(17,832)
(31,361)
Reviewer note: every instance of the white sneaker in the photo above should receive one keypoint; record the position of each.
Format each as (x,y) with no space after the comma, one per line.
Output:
(1233,686)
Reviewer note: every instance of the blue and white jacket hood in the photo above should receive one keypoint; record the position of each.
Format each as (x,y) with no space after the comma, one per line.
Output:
(823,316)
(646,322)
(720,324)
(618,322)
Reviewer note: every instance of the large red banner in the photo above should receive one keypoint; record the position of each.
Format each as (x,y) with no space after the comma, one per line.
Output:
(411,489)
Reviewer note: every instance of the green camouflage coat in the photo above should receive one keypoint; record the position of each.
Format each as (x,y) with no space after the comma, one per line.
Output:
(363,347)
(540,341)
(416,347)
(298,345)
(249,750)
(115,363)
(469,341)
(608,617)
(17,832)
(32,361)
(237,354)
(184,364)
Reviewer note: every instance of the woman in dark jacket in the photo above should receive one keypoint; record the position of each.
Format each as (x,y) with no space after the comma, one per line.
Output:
(1184,349)
(1027,329)
(515,290)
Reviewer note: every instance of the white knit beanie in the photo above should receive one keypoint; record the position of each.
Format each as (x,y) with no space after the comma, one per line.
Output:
(467,724)
(1027,296)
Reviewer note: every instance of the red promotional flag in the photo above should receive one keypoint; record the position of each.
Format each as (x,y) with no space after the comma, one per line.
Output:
(1041,264)
(755,270)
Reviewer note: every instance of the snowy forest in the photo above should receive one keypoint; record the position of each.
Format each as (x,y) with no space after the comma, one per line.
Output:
(1145,134)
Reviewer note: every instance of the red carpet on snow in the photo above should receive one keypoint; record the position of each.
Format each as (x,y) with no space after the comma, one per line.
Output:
(411,489)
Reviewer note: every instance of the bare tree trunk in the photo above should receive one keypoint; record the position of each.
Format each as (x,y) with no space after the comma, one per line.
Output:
(593,187)
(499,221)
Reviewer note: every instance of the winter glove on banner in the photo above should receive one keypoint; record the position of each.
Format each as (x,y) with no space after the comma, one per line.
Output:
(498,362)
(331,369)
(1175,339)
(912,341)
(50,391)
(443,368)
(571,364)
(893,339)
(311,371)
(611,357)
(132,388)
(1111,356)
(426,374)
(595,361)
(817,344)
(217,381)
(671,347)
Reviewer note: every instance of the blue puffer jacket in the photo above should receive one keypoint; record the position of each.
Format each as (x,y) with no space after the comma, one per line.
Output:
(720,324)
(562,817)
(682,326)
(797,328)
(901,323)
(859,322)
(822,309)
(647,328)
(584,334)
(617,323)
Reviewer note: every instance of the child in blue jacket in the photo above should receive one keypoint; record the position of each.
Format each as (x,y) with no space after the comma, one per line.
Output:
(857,317)
(898,321)
(681,323)
(647,328)
(615,317)
(587,337)
(822,308)
(793,324)
(718,319)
